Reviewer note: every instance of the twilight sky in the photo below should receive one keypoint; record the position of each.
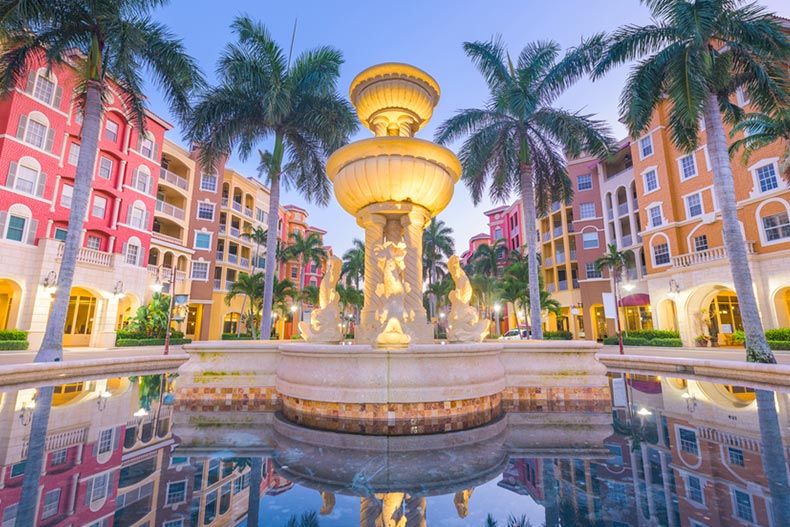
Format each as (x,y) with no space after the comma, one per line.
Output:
(427,34)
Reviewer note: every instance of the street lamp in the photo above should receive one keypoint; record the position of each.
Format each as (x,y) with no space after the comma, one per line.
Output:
(51,282)
(497,309)
(158,287)
(628,288)
(101,402)
(294,325)
(26,415)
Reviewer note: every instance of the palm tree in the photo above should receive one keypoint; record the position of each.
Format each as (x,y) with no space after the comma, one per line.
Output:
(512,521)
(304,249)
(105,43)
(353,268)
(486,258)
(759,130)
(283,291)
(695,56)
(262,94)
(307,519)
(437,242)
(257,235)
(514,287)
(310,294)
(250,286)
(517,140)
(348,295)
(616,262)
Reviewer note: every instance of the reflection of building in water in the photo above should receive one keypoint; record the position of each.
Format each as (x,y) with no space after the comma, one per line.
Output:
(687,454)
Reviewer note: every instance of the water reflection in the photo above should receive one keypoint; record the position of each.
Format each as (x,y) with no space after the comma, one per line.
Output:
(672,452)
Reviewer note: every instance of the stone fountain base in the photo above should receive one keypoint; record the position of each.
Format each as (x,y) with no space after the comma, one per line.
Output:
(423,389)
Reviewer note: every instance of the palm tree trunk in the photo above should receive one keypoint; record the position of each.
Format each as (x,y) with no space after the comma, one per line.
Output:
(271,255)
(298,313)
(254,499)
(241,312)
(773,457)
(552,509)
(26,513)
(757,349)
(528,204)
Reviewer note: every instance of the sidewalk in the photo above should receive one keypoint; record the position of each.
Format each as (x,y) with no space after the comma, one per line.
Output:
(11,358)
(717,354)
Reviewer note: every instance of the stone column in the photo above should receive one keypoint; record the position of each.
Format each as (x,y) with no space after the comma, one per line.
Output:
(632,210)
(374,235)
(648,472)
(413,224)
(662,456)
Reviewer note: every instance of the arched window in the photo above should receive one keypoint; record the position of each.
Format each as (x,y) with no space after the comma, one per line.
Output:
(137,216)
(132,251)
(659,248)
(147,145)
(142,180)
(43,86)
(498,235)
(26,177)
(773,217)
(18,224)
(34,130)
(230,323)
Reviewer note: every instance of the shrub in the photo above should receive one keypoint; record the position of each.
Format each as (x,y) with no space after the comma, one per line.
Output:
(739,337)
(124,343)
(778,334)
(130,334)
(651,334)
(635,341)
(296,337)
(779,344)
(666,343)
(233,336)
(8,345)
(611,340)
(13,334)
(557,335)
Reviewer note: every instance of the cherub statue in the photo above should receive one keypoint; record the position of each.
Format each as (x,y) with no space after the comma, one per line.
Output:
(325,323)
(391,510)
(461,502)
(392,290)
(464,322)
(329,503)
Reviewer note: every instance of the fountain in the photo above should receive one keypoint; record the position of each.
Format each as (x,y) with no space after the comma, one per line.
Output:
(395,379)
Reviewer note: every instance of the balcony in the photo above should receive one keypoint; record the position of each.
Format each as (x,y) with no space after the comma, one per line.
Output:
(563,285)
(173,179)
(573,254)
(229,284)
(622,209)
(220,256)
(627,241)
(248,212)
(233,258)
(575,283)
(223,229)
(546,236)
(218,283)
(236,206)
(706,256)
(90,256)
(234,231)
(610,214)
(550,288)
(558,231)
(224,201)
(165,273)
(170,210)
(560,258)
(244,262)
(548,261)
(167,237)
(61,440)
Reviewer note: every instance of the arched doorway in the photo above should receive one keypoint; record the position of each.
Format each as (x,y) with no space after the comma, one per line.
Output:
(781,307)
(721,316)
(668,315)
(80,318)
(127,309)
(230,322)
(10,296)
(598,322)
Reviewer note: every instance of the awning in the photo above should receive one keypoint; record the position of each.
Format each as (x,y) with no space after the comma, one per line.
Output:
(637,299)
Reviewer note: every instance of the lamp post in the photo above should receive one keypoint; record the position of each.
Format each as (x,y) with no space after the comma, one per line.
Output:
(628,288)
(497,309)
(158,286)
(294,326)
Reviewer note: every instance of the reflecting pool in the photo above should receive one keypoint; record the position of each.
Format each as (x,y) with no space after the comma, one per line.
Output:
(662,452)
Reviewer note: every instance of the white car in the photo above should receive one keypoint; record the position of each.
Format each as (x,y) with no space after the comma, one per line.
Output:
(514,334)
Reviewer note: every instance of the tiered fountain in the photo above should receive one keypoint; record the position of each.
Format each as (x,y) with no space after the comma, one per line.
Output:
(395,379)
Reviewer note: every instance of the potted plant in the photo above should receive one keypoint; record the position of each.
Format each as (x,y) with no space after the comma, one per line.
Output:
(701,341)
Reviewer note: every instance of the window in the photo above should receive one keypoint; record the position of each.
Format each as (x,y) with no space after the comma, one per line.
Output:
(592,272)
(147,147)
(776,226)
(51,504)
(94,242)
(16,228)
(9,515)
(105,167)
(74,154)
(111,131)
(99,207)
(587,211)
(174,523)
(651,181)
(743,506)
(694,205)
(661,254)
(26,178)
(688,167)
(202,240)
(766,178)
(208,182)
(645,147)
(44,90)
(694,490)
(688,441)
(701,243)
(205,211)
(294,272)
(498,234)
(36,133)
(590,240)
(105,441)
(654,213)
(59,457)
(132,254)
(176,492)
(60,234)
(200,271)
(137,216)
(241,483)
(735,456)
(98,488)
(584,182)
(260,215)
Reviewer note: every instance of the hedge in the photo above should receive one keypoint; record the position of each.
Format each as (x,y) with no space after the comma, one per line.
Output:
(779,344)
(557,335)
(13,334)
(667,343)
(651,334)
(233,336)
(126,334)
(122,343)
(781,334)
(8,345)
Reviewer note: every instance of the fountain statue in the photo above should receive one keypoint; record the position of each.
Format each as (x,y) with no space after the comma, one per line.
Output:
(393,184)
(464,323)
(392,290)
(325,326)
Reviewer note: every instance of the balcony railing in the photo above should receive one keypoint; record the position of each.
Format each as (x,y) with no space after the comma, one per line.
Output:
(622,209)
(563,285)
(627,241)
(610,214)
(558,231)
(550,288)
(233,258)
(222,229)
(224,201)
(229,284)
(236,206)
(170,210)
(560,258)
(548,261)
(546,236)
(61,440)
(708,255)
(165,174)
(248,212)
(220,256)
(218,283)
(573,254)
(244,262)
(575,283)
(91,256)
(234,231)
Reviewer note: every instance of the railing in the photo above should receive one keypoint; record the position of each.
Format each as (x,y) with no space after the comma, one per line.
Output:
(560,258)
(222,229)
(181,276)
(90,256)
(548,262)
(546,236)
(165,273)
(558,231)
(248,212)
(167,237)
(234,231)
(610,213)
(627,241)
(244,262)
(725,438)
(575,283)
(622,209)
(708,255)
(229,284)
(550,288)
(555,206)
(61,440)
(573,254)
(571,228)
(233,258)
(563,285)
(178,181)
(236,206)
(170,210)
(224,201)
(220,256)
(218,283)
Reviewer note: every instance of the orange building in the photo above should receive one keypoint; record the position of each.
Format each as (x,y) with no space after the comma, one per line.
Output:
(688,274)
